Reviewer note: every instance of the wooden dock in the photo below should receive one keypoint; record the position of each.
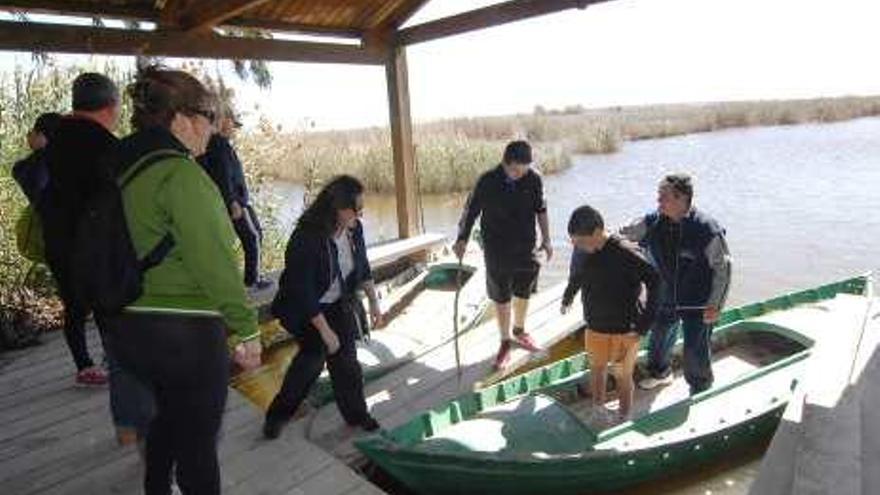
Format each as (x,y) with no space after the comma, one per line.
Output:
(829,438)
(57,438)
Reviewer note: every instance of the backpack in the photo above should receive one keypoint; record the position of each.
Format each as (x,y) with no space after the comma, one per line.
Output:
(106,269)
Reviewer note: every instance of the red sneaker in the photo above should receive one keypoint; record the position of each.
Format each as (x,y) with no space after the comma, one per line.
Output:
(92,376)
(503,354)
(525,341)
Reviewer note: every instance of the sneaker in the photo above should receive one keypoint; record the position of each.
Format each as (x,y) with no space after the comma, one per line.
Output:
(524,340)
(503,354)
(652,382)
(91,376)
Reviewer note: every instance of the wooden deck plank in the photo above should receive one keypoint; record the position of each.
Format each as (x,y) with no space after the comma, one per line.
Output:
(58,439)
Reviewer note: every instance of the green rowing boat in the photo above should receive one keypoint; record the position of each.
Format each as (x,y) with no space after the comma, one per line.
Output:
(534,433)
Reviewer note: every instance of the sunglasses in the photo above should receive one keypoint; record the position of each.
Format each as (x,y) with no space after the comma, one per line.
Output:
(208,114)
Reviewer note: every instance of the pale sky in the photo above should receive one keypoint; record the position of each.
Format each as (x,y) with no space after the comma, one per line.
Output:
(624,52)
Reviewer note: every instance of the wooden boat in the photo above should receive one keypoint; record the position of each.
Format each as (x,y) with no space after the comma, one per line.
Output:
(418,306)
(532,433)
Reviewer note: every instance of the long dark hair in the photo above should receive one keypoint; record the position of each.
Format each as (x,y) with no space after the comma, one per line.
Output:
(320,217)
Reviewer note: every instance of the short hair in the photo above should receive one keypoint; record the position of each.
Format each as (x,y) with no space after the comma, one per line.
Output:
(158,94)
(680,183)
(93,91)
(518,152)
(585,220)
(47,123)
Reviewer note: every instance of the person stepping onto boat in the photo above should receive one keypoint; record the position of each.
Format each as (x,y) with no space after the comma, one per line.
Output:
(509,199)
(610,273)
(324,264)
(689,249)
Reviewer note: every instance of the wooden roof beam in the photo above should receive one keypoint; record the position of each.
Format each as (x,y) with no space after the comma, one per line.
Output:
(493,15)
(81,8)
(202,16)
(114,11)
(28,36)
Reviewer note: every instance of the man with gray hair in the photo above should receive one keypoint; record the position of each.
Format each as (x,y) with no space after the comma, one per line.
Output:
(690,252)
(75,173)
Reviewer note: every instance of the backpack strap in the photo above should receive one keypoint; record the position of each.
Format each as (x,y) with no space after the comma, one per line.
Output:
(161,250)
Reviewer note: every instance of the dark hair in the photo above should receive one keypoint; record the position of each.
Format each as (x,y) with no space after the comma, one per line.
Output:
(680,183)
(340,193)
(93,91)
(518,152)
(47,123)
(584,221)
(157,94)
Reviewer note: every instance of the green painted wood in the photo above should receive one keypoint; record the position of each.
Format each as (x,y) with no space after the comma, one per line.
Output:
(702,427)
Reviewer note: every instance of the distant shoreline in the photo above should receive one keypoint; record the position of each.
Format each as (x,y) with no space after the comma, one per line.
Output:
(450,154)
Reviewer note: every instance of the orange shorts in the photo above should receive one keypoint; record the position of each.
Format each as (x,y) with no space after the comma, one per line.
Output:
(620,349)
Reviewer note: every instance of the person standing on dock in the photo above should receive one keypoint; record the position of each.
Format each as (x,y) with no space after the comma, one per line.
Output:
(173,337)
(75,169)
(610,272)
(223,165)
(510,198)
(689,249)
(324,264)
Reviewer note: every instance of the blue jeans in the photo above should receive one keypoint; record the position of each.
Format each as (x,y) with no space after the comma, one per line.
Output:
(697,349)
(131,401)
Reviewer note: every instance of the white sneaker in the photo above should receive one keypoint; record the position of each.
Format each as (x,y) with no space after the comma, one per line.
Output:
(652,383)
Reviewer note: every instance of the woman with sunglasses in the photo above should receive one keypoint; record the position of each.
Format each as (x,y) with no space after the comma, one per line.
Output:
(173,338)
(325,263)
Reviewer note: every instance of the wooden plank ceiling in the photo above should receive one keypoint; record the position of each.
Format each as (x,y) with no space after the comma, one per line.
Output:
(187,28)
(343,17)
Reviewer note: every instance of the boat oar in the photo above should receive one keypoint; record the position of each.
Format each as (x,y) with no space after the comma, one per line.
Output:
(458,271)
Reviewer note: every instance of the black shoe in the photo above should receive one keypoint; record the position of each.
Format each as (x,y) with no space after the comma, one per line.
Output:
(272,428)
(368,424)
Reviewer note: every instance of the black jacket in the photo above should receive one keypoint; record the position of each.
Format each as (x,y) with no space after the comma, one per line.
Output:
(610,282)
(508,209)
(77,168)
(310,266)
(223,165)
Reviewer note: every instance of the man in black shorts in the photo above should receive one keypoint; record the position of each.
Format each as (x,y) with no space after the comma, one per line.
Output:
(510,198)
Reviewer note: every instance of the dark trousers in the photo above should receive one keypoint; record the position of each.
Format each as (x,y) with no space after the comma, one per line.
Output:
(345,370)
(250,233)
(183,359)
(697,348)
(58,239)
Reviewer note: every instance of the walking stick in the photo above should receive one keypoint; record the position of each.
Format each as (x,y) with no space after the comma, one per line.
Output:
(458,271)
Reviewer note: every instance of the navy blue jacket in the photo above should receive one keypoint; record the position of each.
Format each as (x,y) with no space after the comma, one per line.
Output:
(223,165)
(678,250)
(310,266)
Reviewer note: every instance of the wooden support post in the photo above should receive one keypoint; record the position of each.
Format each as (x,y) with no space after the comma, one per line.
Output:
(402,143)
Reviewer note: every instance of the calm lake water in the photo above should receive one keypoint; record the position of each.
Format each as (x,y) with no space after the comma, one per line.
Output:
(800,205)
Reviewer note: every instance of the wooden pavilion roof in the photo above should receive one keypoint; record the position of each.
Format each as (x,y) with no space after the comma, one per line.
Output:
(186,28)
